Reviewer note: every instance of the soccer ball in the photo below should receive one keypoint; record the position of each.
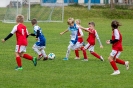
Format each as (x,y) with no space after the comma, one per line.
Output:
(51,56)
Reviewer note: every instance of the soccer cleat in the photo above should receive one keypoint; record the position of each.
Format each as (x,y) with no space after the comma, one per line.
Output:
(34,61)
(65,58)
(76,58)
(84,60)
(127,65)
(18,68)
(45,58)
(39,57)
(101,58)
(117,72)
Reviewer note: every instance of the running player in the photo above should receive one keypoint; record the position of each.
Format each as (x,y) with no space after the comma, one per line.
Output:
(116,42)
(21,37)
(91,40)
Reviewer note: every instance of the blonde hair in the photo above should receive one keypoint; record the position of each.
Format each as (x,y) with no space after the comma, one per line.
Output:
(20,19)
(70,21)
(77,21)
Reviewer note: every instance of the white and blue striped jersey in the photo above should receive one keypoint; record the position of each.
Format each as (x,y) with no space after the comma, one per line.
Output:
(41,39)
(74,33)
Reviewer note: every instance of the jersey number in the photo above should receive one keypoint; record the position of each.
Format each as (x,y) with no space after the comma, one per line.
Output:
(22,31)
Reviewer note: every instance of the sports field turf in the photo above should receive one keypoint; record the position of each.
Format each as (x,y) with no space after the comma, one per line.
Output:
(72,73)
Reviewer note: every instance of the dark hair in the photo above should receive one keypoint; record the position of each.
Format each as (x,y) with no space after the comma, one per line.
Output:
(34,21)
(115,24)
(92,23)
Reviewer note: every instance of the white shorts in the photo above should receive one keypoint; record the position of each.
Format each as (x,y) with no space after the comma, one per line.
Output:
(20,49)
(38,47)
(72,46)
(89,47)
(78,45)
(115,54)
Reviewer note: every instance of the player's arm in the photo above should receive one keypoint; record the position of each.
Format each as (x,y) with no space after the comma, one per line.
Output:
(32,34)
(81,33)
(64,32)
(97,36)
(85,29)
(117,37)
(7,37)
(38,32)
(10,34)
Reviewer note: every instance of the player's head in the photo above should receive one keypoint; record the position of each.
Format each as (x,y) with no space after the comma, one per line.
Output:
(91,24)
(33,21)
(115,24)
(70,21)
(20,19)
(78,21)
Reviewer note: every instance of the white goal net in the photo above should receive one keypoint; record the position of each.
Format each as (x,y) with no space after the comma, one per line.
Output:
(43,11)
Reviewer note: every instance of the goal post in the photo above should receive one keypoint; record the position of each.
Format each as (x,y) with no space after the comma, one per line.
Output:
(44,11)
(15,8)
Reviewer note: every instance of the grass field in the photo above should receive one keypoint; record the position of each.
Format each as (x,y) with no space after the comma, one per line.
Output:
(72,73)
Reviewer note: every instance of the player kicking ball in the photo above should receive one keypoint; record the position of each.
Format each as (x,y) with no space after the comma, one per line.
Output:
(116,42)
(21,37)
(73,28)
(39,46)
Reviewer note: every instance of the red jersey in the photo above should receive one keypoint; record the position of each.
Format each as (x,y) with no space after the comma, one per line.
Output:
(118,45)
(80,33)
(21,34)
(91,36)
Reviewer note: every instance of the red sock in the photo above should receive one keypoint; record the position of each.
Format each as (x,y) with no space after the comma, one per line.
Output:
(84,53)
(113,64)
(26,56)
(95,54)
(77,53)
(120,61)
(18,60)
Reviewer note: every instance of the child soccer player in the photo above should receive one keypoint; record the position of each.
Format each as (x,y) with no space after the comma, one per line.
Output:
(21,37)
(116,42)
(91,40)
(41,41)
(73,28)
(80,42)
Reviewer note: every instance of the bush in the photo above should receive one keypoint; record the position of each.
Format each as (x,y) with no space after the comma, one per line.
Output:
(119,14)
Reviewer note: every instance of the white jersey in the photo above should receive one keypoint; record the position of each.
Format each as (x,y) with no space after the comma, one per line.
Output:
(74,32)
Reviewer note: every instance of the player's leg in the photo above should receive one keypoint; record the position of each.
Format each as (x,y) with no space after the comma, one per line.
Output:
(119,61)
(91,49)
(18,58)
(22,51)
(112,58)
(76,49)
(43,53)
(37,50)
(68,50)
(77,54)
(86,47)
(84,53)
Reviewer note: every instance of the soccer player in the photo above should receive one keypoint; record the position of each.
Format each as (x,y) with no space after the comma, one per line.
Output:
(91,40)
(116,42)
(39,46)
(21,37)
(80,42)
(73,28)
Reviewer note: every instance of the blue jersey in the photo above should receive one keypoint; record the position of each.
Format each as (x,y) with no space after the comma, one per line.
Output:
(74,33)
(41,39)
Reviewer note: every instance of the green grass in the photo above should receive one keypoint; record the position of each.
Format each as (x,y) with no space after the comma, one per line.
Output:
(72,73)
